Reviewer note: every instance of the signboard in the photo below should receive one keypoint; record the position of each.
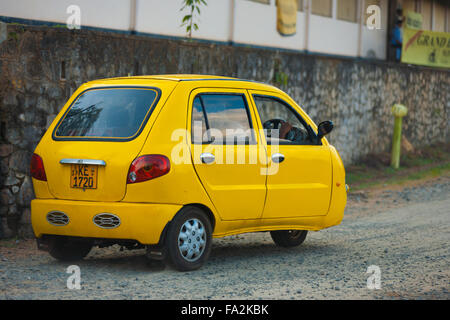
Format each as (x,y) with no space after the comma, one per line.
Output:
(414,20)
(426,48)
(287,17)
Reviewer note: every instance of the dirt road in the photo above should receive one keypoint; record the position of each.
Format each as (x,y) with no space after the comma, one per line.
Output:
(405,232)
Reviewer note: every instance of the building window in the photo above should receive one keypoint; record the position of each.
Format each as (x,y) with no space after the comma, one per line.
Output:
(347,10)
(448,19)
(426,12)
(410,5)
(418,5)
(322,7)
(439,14)
(407,5)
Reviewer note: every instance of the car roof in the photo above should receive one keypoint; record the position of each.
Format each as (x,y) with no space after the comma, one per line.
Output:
(177,77)
(190,77)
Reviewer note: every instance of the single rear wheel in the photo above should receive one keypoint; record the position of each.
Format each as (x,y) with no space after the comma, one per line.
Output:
(288,238)
(188,240)
(66,249)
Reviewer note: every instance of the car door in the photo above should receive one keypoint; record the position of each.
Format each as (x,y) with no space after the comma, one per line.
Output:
(227,154)
(300,169)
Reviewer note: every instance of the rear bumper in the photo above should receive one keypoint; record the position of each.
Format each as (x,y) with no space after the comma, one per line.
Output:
(138,221)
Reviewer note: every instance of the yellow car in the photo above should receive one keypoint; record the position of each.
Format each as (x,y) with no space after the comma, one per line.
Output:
(168,162)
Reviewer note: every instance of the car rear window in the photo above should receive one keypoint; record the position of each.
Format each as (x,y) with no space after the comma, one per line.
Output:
(118,113)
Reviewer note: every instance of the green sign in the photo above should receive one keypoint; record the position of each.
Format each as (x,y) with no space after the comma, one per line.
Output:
(414,20)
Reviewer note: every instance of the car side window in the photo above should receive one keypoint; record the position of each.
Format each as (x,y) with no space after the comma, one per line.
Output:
(282,125)
(221,119)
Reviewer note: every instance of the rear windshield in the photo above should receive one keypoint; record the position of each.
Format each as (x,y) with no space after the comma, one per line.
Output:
(108,113)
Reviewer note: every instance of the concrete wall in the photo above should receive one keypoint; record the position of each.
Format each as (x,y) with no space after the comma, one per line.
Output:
(357,95)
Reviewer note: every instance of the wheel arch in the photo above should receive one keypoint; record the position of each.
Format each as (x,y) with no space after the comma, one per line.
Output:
(208,212)
(200,206)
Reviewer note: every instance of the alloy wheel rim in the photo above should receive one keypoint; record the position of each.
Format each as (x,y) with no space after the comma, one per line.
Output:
(192,240)
(293,234)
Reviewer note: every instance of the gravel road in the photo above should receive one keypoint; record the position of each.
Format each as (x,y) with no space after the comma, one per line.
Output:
(405,231)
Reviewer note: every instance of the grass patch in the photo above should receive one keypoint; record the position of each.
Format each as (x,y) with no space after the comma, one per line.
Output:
(9,243)
(429,162)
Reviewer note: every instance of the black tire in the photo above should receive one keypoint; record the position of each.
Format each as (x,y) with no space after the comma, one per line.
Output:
(65,249)
(199,244)
(288,238)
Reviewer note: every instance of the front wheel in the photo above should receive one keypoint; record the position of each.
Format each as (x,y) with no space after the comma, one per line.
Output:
(288,238)
(188,241)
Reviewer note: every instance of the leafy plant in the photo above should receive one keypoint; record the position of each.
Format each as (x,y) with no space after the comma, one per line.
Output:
(279,77)
(13,35)
(189,20)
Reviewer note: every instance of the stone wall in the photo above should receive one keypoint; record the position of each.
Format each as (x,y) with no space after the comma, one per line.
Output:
(356,95)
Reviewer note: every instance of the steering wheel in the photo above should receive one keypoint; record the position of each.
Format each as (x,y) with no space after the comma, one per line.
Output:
(295,134)
(273,124)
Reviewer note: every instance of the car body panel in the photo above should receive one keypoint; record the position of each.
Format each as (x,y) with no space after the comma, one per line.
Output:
(339,194)
(227,193)
(232,175)
(304,175)
(138,221)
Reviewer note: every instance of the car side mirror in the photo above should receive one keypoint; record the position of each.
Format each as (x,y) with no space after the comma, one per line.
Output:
(324,128)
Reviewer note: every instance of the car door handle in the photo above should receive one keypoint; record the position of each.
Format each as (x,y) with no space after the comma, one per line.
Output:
(83,161)
(277,157)
(207,157)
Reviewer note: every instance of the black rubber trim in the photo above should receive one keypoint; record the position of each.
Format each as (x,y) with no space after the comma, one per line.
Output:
(247,109)
(144,123)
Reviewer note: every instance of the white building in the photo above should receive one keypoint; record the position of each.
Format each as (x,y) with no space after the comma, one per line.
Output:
(333,27)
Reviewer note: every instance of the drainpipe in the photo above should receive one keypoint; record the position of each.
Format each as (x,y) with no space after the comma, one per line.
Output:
(334,9)
(231,30)
(307,5)
(433,18)
(132,26)
(360,17)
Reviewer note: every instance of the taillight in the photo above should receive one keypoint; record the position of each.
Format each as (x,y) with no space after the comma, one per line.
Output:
(37,168)
(148,167)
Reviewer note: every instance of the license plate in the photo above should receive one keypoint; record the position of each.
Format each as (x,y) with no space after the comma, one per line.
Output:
(83,176)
